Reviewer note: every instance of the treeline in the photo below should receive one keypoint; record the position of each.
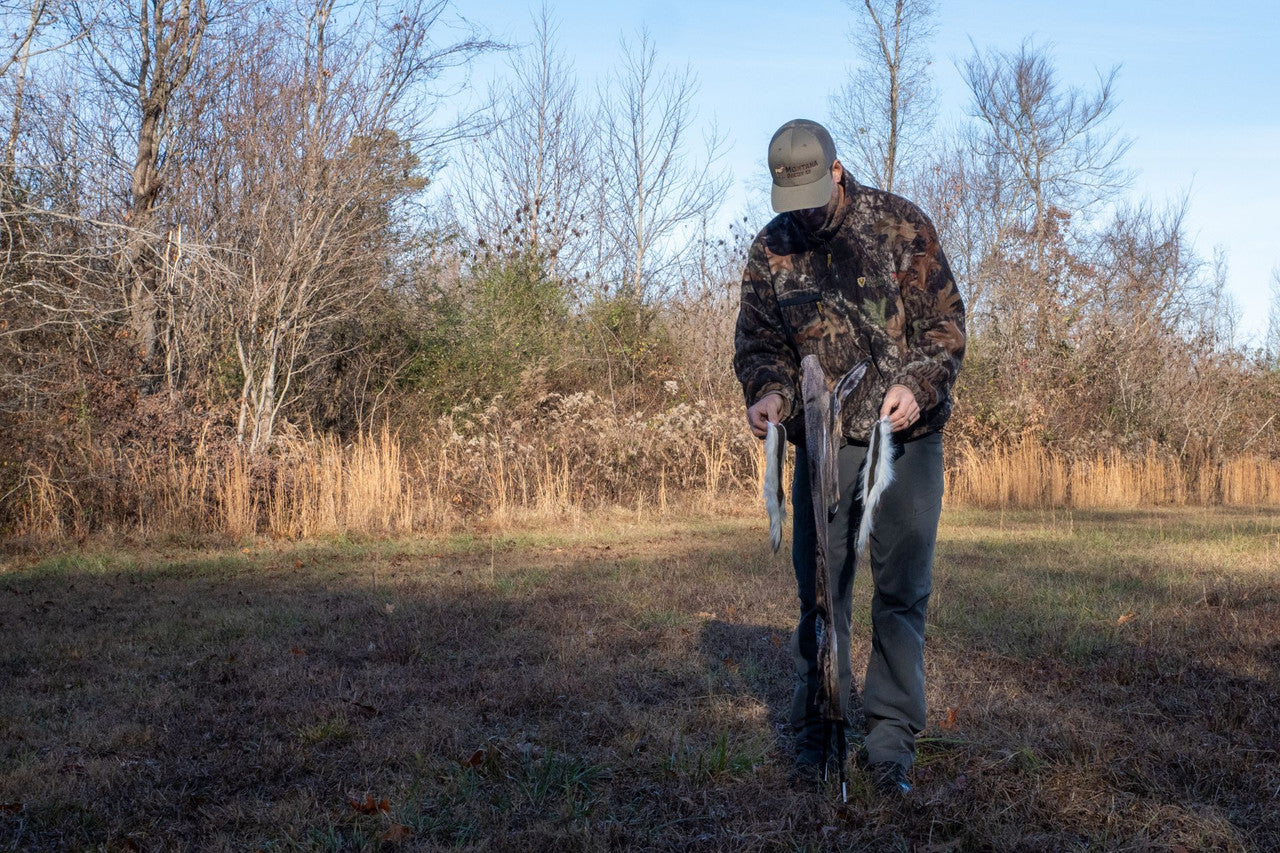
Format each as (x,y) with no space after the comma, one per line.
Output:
(241,240)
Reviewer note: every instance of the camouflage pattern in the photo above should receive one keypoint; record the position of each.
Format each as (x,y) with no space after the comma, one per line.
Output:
(872,281)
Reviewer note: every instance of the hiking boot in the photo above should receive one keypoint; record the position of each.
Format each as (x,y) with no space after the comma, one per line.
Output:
(890,779)
(806,772)
(815,760)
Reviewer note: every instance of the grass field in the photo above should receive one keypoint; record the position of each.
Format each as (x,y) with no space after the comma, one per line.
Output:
(1098,680)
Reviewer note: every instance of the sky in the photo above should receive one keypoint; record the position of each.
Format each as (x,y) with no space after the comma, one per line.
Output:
(1198,89)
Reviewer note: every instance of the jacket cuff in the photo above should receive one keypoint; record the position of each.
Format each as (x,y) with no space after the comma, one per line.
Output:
(781,390)
(909,382)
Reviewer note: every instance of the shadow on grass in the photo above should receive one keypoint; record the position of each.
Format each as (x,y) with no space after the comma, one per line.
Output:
(525,698)
(752,661)
(510,700)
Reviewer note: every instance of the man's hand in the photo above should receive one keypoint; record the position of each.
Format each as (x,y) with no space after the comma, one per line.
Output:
(900,407)
(767,410)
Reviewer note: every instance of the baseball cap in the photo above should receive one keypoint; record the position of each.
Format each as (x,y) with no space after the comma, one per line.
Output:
(800,158)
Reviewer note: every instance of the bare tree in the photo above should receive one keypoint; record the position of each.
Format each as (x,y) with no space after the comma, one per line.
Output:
(1271,343)
(143,53)
(704,309)
(50,297)
(33,35)
(884,111)
(26,21)
(1057,143)
(963,194)
(652,185)
(325,131)
(526,183)
(1219,320)
(1047,157)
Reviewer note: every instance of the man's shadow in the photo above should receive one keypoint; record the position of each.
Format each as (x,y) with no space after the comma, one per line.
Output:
(755,661)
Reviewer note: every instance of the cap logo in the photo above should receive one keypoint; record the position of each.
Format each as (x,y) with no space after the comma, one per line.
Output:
(793,171)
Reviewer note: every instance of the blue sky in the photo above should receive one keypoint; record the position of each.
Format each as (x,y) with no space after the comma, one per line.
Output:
(1197,87)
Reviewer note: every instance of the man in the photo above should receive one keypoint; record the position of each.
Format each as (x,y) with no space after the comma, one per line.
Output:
(848,272)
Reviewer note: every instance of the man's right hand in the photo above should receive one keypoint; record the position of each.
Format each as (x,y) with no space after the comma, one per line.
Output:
(766,410)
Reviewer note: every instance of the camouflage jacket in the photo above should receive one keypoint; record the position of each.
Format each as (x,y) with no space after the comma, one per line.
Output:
(871,282)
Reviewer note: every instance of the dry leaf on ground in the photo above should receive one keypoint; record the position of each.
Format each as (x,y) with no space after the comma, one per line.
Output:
(397,833)
(369,805)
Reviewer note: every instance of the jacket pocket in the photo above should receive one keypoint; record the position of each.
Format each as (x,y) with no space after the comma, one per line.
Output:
(800,312)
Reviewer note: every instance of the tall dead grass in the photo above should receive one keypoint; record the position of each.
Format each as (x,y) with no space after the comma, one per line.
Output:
(570,455)
(1027,475)
(313,488)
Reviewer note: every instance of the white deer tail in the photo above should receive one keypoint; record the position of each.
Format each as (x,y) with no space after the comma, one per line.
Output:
(877,474)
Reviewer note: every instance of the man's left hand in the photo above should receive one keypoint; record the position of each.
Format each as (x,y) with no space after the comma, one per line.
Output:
(900,407)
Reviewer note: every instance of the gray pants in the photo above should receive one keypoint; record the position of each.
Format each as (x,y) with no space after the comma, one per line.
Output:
(902,540)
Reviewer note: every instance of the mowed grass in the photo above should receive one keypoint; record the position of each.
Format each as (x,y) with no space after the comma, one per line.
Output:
(1097,681)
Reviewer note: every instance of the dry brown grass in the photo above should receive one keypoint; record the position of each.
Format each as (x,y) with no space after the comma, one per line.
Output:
(1026,475)
(567,456)
(621,685)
